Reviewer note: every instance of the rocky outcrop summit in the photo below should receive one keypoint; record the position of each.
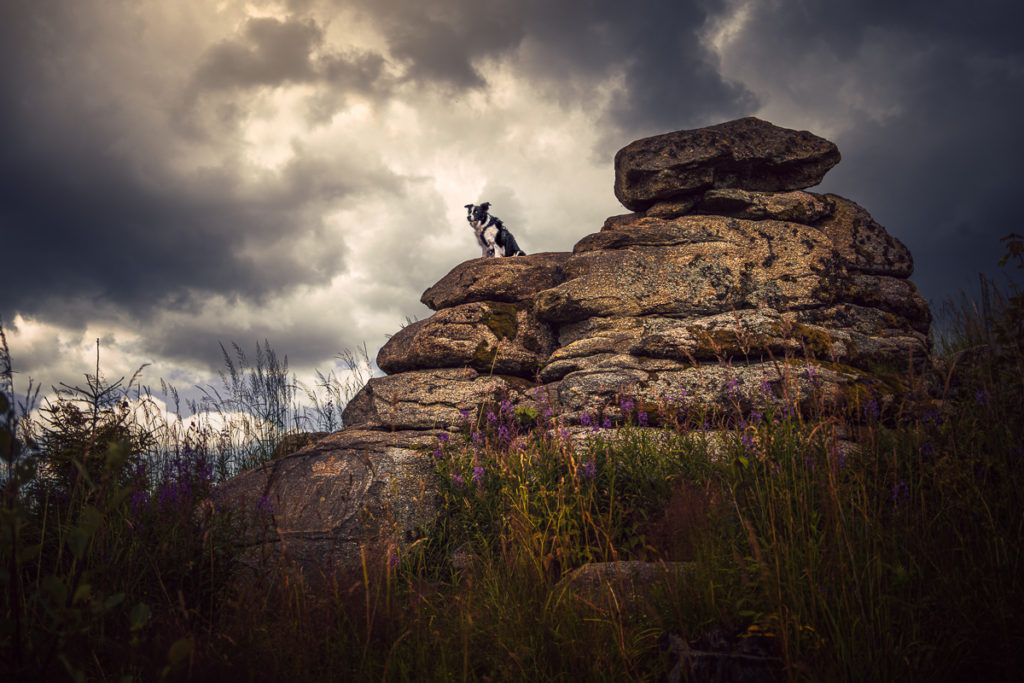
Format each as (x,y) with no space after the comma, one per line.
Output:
(729,284)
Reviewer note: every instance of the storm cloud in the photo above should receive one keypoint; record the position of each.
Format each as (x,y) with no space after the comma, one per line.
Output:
(179,175)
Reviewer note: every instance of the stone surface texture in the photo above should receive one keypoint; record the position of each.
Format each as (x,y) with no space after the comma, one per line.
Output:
(730,287)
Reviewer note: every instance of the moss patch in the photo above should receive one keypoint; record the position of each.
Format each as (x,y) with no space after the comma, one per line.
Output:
(484,355)
(500,319)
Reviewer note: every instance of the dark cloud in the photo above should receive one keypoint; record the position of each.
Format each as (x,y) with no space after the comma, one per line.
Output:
(91,214)
(940,169)
(569,47)
(269,52)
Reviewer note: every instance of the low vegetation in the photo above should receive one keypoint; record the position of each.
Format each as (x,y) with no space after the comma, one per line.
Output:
(860,545)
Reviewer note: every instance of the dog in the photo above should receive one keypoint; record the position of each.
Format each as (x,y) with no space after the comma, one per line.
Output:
(494,238)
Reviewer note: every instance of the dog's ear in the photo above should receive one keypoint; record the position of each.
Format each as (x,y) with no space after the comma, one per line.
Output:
(469,206)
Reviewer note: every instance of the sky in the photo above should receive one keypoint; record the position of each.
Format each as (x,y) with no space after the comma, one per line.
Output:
(180,174)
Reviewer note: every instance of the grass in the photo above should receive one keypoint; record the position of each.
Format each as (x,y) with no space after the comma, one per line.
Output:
(853,546)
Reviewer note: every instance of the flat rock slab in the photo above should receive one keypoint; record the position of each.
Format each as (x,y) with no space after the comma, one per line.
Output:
(430,399)
(488,336)
(794,207)
(748,153)
(596,386)
(350,490)
(694,266)
(496,279)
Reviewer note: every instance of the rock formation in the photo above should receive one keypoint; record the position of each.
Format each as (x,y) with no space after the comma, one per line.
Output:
(729,284)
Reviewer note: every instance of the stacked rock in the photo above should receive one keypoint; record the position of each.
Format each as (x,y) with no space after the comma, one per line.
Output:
(725,268)
(728,284)
(484,345)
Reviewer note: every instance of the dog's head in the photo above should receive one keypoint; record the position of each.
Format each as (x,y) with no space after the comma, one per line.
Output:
(477,214)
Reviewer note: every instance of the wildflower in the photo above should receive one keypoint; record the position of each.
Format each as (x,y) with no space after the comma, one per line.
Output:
(837,457)
(477,437)
(478,476)
(927,450)
(756,417)
(443,437)
(588,470)
(393,562)
(748,444)
(871,409)
(585,420)
(607,424)
(504,433)
(627,405)
(981,398)
(458,481)
(491,417)
(732,388)
(766,388)
(465,413)
(900,493)
(641,418)
(811,373)
(139,503)
(264,505)
(506,406)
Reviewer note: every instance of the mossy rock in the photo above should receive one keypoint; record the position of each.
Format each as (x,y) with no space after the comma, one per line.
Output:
(500,319)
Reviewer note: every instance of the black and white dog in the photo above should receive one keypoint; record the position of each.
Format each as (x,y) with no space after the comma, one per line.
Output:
(494,238)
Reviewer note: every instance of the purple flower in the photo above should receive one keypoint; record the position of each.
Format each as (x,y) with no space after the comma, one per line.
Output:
(443,437)
(981,398)
(871,409)
(756,417)
(588,470)
(504,433)
(641,418)
(264,506)
(811,373)
(732,387)
(393,562)
(139,503)
(585,420)
(478,476)
(627,405)
(492,418)
(900,493)
(766,388)
(506,406)
(607,424)
(748,444)
(458,481)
